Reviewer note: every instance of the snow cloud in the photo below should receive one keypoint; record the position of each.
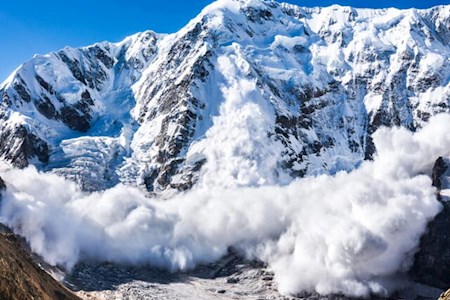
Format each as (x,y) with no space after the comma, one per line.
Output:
(238,148)
(331,234)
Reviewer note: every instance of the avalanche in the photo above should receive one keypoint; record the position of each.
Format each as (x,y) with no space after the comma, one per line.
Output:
(331,234)
(302,137)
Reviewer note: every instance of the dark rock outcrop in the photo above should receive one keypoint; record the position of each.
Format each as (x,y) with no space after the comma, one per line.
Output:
(439,170)
(432,262)
(2,184)
(19,145)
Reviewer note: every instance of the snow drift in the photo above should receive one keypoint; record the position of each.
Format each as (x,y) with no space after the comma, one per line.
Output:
(345,233)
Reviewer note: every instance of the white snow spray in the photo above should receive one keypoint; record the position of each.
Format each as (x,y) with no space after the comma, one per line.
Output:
(330,234)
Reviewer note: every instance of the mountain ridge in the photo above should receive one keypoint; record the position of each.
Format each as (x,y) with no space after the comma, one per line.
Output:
(148,76)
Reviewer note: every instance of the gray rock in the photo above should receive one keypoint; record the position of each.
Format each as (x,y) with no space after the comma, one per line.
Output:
(432,261)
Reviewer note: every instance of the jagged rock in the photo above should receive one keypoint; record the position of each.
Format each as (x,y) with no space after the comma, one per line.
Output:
(439,170)
(17,145)
(432,262)
(2,188)
(2,184)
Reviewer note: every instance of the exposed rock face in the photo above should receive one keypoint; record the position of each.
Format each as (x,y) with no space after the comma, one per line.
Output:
(140,111)
(439,170)
(432,262)
(21,278)
(2,185)
(18,146)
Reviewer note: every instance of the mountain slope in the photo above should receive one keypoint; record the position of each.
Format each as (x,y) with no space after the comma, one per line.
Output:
(21,278)
(298,90)
(57,100)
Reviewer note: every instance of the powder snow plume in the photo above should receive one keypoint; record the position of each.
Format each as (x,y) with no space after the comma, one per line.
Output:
(345,233)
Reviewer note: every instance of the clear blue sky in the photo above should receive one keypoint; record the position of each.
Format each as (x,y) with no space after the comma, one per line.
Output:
(28,26)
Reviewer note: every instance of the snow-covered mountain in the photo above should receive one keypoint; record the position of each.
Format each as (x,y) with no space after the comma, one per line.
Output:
(262,91)
(247,97)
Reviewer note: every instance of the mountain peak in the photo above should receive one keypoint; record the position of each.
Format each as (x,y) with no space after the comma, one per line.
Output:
(238,3)
(238,6)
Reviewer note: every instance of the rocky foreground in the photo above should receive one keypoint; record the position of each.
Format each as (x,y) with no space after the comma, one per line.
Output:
(21,278)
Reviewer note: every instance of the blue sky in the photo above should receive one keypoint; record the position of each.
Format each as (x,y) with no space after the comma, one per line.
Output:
(28,26)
